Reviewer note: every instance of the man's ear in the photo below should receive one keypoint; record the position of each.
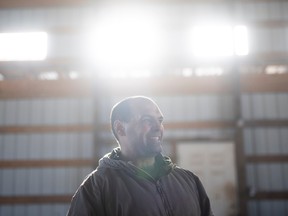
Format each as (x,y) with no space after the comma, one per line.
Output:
(119,128)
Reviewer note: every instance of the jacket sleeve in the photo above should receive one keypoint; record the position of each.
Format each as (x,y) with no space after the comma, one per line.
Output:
(87,200)
(203,199)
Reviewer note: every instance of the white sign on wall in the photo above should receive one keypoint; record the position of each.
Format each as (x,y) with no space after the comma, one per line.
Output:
(214,164)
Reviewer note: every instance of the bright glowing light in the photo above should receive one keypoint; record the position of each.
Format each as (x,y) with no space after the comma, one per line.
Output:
(23,46)
(141,74)
(219,41)
(276,69)
(74,75)
(125,37)
(186,72)
(212,41)
(49,75)
(241,40)
(208,71)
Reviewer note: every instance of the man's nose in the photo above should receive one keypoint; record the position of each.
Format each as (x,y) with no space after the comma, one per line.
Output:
(157,125)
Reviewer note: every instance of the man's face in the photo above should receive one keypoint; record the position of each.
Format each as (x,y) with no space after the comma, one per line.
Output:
(144,132)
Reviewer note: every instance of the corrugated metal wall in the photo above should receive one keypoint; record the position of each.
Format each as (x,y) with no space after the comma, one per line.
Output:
(47,180)
(266,176)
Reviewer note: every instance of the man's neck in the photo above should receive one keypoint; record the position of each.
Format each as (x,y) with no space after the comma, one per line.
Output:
(144,163)
(136,160)
(147,164)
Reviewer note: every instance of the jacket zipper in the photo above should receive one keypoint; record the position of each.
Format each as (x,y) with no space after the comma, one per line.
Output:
(164,199)
(159,188)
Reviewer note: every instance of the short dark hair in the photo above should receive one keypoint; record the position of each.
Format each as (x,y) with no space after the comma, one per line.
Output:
(122,111)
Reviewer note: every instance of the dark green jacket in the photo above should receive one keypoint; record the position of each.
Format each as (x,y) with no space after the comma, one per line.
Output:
(118,188)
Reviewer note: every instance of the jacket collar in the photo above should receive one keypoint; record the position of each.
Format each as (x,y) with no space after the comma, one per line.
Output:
(163,164)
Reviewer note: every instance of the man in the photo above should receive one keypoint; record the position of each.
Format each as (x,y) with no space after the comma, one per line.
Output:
(135,179)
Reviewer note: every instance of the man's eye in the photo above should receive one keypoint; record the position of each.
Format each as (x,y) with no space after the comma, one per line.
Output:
(147,121)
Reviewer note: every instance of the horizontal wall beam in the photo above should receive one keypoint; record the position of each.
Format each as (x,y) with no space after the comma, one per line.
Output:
(199,125)
(264,83)
(270,195)
(150,86)
(41,3)
(267,159)
(11,164)
(168,125)
(173,85)
(42,88)
(185,125)
(266,123)
(46,129)
(5,200)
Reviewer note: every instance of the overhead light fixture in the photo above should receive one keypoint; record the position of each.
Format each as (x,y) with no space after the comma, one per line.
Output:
(210,41)
(127,37)
(23,46)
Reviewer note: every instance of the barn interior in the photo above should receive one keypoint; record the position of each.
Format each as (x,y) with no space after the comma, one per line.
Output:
(216,68)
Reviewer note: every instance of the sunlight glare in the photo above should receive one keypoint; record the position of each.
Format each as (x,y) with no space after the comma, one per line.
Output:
(25,46)
(219,41)
(212,41)
(125,37)
(241,40)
